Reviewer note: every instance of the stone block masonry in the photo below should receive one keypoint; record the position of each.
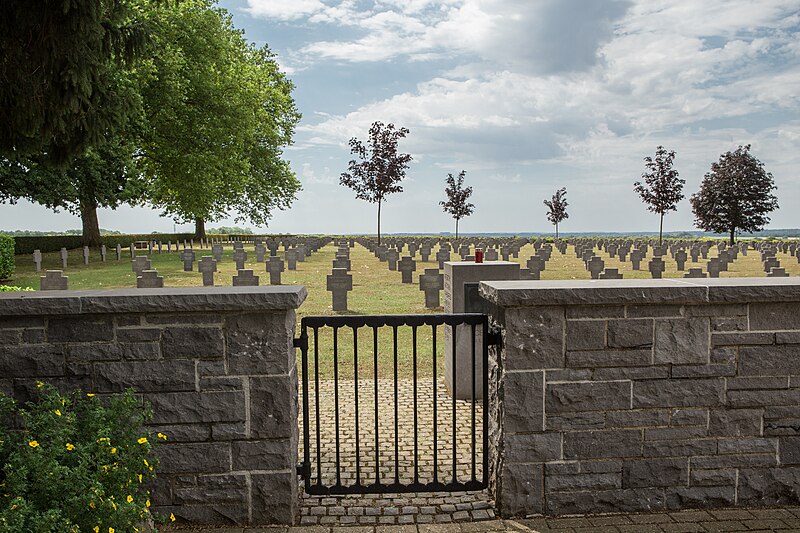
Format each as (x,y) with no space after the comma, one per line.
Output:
(217,364)
(645,395)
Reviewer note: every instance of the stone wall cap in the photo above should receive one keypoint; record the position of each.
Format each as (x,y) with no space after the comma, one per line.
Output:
(172,299)
(527,293)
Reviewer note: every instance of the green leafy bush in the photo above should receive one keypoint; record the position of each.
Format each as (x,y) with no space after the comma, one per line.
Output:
(6,256)
(54,243)
(74,463)
(13,288)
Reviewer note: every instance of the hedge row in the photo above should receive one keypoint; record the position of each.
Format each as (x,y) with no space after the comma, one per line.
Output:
(6,256)
(53,243)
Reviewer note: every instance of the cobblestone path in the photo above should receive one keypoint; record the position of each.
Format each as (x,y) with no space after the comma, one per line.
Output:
(396,452)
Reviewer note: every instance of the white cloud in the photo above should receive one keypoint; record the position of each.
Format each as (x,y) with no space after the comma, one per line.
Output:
(284,9)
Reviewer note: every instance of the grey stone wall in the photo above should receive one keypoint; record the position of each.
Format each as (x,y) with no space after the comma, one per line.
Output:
(637,395)
(217,364)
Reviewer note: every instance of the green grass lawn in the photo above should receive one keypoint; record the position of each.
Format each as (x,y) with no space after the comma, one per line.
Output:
(376,290)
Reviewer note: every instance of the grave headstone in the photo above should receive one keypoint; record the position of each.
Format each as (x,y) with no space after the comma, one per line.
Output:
(187,256)
(425,252)
(491,255)
(339,282)
(777,272)
(207,266)
(695,272)
(53,280)
(37,260)
(132,250)
(610,273)
(392,256)
(103,253)
(442,256)
(301,252)
(431,282)
(118,250)
(216,252)
(64,257)
(149,279)
(275,267)
(85,255)
(245,278)
(240,257)
(261,251)
(680,259)
(139,264)
(291,258)
(406,266)
(713,267)
(595,265)
(656,266)
(636,257)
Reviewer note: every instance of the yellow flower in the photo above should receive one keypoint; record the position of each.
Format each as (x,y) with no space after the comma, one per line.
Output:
(142,440)
(91,504)
(58,412)
(172,517)
(140,478)
(96,529)
(145,462)
(70,447)
(114,505)
(147,503)
(113,450)
(129,499)
(33,444)
(39,384)
(90,395)
(111,530)
(162,436)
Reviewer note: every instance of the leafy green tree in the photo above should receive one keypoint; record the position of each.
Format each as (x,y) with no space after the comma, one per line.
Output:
(381,168)
(457,196)
(218,113)
(735,196)
(557,208)
(662,188)
(55,95)
(103,174)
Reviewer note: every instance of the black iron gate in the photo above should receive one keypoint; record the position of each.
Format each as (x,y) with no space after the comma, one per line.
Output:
(352,450)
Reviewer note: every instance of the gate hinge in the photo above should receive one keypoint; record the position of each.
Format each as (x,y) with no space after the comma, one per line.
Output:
(304,470)
(300,342)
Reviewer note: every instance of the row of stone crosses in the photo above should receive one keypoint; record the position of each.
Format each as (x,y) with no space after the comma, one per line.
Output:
(295,250)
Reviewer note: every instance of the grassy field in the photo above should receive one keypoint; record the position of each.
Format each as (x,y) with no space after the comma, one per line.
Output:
(376,290)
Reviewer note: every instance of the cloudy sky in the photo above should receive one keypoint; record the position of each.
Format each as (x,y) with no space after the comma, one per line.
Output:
(525,95)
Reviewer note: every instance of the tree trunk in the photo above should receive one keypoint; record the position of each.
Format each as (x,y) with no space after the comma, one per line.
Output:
(199,228)
(733,231)
(379,222)
(556,230)
(661,228)
(456,229)
(91,227)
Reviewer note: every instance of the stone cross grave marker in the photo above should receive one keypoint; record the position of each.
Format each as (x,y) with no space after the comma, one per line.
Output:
(301,252)
(714,267)
(275,267)
(187,256)
(680,259)
(636,259)
(412,249)
(273,248)
(118,250)
(463,251)
(150,247)
(622,253)
(536,264)
(431,282)
(139,264)
(406,266)
(380,252)
(291,258)
(149,279)
(339,282)
(425,252)
(391,257)
(777,272)
(341,261)
(505,252)
(694,253)
(169,247)
(103,253)
(261,251)
(695,272)
(240,256)
(595,265)
(207,266)
(132,250)
(490,255)
(216,252)
(53,280)
(64,257)
(656,266)
(37,260)
(245,278)
(85,255)
(610,273)
(442,256)
(770,263)
(159,246)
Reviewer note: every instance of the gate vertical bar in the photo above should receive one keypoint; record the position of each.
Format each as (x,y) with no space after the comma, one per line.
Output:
(336,403)
(474,429)
(355,386)
(485,401)
(453,360)
(316,405)
(396,413)
(377,439)
(416,429)
(435,415)
(306,420)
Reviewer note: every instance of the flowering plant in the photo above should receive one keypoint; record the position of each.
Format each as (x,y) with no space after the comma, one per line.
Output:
(71,463)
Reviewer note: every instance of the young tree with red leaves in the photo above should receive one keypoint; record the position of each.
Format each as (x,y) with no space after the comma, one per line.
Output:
(380,169)
(662,188)
(557,208)
(457,196)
